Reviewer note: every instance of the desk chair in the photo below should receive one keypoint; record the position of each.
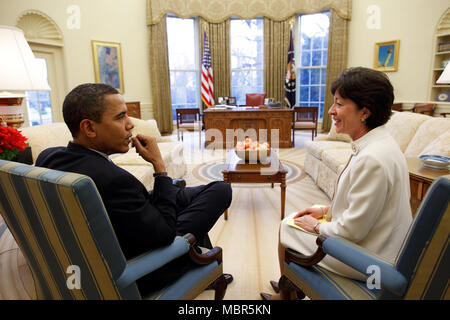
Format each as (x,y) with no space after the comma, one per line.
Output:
(254,99)
(60,224)
(305,118)
(188,119)
(424,108)
(420,270)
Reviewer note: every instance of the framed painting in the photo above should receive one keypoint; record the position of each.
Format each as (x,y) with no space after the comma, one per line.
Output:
(108,64)
(386,55)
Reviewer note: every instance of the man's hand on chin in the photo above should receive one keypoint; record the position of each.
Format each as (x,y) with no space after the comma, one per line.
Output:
(147,147)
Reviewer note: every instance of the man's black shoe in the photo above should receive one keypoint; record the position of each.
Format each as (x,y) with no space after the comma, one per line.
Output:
(179,182)
(228,278)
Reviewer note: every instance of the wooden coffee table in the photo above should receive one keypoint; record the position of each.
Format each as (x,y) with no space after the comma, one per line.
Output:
(238,171)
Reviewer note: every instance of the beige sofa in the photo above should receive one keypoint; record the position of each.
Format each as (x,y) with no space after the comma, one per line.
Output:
(57,134)
(416,134)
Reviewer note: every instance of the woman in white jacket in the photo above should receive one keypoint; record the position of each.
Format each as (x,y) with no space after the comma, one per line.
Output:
(370,206)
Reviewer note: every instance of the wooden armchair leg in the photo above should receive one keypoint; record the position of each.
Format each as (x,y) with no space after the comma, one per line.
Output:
(220,286)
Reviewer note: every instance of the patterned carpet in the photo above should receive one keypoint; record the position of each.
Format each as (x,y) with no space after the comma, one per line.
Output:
(249,237)
(211,171)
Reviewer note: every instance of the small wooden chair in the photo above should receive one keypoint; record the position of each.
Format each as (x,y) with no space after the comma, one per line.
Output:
(305,118)
(188,119)
(424,108)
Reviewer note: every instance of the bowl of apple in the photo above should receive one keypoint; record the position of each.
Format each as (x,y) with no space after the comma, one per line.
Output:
(249,150)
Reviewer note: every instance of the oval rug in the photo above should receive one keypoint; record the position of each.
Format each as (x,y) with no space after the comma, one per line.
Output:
(212,171)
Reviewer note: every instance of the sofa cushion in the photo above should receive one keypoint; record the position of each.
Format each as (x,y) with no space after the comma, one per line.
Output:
(439,146)
(403,125)
(426,134)
(335,159)
(171,152)
(143,173)
(46,136)
(316,148)
(146,127)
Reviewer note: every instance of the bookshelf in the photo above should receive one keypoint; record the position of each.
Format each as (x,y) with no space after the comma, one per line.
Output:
(441,56)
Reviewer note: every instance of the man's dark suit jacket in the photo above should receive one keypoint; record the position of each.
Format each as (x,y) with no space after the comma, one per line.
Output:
(150,216)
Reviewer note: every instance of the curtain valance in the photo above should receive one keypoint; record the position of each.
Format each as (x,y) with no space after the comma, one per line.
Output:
(215,11)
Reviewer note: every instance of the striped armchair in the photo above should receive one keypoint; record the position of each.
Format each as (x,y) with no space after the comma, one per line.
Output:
(60,224)
(421,270)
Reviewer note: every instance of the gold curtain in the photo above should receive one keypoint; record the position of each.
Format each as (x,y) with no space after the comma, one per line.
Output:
(219,43)
(215,16)
(221,10)
(160,76)
(276,46)
(336,61)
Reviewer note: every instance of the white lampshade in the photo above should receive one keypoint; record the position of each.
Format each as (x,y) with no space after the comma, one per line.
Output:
(445,75)
(18,66)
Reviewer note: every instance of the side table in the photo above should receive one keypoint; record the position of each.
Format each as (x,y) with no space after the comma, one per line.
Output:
(420,179)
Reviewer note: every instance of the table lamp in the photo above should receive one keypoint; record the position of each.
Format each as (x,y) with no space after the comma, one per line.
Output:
(19,71)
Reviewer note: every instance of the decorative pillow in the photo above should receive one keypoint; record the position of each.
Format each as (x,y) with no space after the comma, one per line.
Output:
(439,146)
(146,127)
(403,126)
(332,135)
(46,136)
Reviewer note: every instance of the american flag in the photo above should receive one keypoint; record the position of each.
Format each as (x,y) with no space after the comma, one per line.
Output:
(207,75)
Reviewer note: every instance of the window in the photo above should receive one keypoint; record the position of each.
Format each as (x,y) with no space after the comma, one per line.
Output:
(247,59)
(38,102)
(312,66)
(183,65)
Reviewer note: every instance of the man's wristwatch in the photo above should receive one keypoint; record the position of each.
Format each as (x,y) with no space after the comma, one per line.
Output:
(160,174)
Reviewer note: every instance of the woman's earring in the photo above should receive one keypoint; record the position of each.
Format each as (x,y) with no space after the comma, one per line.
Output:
(363,120)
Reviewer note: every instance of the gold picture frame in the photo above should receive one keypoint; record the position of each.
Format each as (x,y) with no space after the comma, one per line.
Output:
(108,64)
(386,55)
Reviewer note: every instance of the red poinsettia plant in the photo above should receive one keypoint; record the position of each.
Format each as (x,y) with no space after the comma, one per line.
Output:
(11,143)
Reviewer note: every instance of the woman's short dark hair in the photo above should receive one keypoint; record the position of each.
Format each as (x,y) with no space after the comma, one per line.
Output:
(86,101)
(367,88)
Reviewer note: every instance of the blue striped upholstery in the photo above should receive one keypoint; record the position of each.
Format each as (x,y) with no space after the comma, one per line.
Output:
(425,256)
(421,270)
(318,283)
(190,284)
(58,220)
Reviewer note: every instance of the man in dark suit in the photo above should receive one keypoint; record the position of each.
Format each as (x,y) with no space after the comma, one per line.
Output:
(96,115)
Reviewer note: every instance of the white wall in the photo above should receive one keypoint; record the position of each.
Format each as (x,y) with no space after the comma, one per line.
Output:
(120,21)
(414,23)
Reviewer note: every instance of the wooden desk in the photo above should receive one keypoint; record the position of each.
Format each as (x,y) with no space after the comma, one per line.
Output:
(239,171)
(251,121)
(420,179)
